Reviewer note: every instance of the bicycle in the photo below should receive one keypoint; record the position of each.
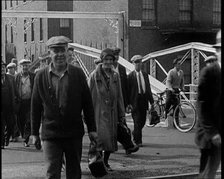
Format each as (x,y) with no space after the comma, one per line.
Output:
(184,115)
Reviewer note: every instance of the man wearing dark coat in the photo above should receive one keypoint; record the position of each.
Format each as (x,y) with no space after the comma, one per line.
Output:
(61,93)
(127,143)
(139,94)
(8,99)
(208,134)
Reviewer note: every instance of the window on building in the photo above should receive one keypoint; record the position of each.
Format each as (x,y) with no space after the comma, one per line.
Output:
(64,23)
(25,34)
(11,34)
(185,11)
(10,3)
(148,12)
(41,29)
(217,12)
(24,0)
(17,2)
(32,29)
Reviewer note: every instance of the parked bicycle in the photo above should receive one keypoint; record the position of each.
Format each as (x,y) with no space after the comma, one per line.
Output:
(184,114)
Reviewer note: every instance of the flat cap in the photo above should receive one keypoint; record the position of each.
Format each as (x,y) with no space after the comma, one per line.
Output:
(210,59)
(24,61)
(107,52)
(136,58)
(176,60)
(11,65)
(57,41)
(116,50)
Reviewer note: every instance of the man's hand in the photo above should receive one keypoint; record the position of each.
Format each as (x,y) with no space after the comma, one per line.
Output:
(216,140)
(93,136)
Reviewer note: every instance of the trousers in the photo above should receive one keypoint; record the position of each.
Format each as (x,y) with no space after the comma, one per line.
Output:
(54,150)
(209,162)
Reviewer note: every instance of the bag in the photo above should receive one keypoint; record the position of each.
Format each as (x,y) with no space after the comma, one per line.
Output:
(124,135)
(155,119)
(95,161)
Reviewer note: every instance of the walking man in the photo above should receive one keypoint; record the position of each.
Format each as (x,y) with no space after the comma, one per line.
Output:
(62,94)
(208,134)
(8,99)
(24,85)
(139,94)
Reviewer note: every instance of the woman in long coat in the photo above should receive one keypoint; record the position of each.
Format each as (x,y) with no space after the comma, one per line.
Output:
(108,104)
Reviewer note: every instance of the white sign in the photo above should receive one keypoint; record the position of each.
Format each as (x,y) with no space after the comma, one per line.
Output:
(135,23)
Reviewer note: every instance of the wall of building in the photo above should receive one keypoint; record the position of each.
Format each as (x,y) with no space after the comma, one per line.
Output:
(29,48)
(54,24)
(98,32)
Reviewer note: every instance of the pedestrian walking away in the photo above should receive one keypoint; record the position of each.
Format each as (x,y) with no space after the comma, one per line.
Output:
(208,134)
(139,95)
(61,92)
(24,85)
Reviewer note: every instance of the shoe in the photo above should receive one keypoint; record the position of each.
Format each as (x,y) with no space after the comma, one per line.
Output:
(132,150)
(26,144)
(109,168)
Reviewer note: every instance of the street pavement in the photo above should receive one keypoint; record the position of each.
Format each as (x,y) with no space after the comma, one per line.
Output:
(165,152)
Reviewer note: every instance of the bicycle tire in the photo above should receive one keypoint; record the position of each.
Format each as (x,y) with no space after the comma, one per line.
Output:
(186,119)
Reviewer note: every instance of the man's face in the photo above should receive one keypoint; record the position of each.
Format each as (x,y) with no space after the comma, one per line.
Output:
(3,70)
(11,70)
(108,62)
(59,56)
(138,65)
(25,67)
(178,65)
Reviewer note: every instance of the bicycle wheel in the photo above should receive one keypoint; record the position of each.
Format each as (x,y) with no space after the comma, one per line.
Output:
(184,116)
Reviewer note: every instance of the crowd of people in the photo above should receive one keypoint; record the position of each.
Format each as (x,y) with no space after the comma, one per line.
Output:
(55,102)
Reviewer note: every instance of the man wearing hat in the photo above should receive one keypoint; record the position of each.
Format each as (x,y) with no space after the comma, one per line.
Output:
(11,69)
(174,83)
(128,145)
(139,95)
(61,93)
(8,98)
(24,85)
(208,134)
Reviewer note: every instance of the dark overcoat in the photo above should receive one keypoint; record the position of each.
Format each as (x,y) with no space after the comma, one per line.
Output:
(133,90)
(209,105)
(124,83)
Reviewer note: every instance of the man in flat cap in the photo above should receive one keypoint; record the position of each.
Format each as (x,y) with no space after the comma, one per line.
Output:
(61,93)
(139,95)
(174,84)
(24,85)
(8,99)
(127,144)
(11,69)
(208,134)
